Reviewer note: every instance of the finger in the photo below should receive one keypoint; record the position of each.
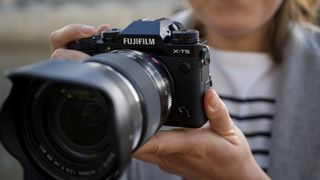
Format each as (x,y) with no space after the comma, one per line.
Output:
(218,115)
(169,142)
(69,54)
(103,27)
(69,33)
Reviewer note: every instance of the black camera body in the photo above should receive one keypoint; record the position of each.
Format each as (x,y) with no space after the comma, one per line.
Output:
(82,120)
(186,60)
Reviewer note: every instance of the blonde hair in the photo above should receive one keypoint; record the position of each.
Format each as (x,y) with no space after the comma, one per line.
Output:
(300,11)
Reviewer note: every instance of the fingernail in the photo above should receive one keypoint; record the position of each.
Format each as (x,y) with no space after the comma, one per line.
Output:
(88,29)
(214,100)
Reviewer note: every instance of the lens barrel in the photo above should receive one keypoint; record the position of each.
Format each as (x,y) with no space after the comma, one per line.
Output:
(85,123)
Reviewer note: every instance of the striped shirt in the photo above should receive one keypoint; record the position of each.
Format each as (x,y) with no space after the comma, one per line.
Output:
(246,82)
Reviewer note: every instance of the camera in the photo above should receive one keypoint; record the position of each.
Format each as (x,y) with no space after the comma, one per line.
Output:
(82,120)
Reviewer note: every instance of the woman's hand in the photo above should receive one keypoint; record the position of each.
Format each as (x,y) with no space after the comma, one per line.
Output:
(61,37)
(218,150)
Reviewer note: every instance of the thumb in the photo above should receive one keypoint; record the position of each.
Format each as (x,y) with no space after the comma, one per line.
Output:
(218,115)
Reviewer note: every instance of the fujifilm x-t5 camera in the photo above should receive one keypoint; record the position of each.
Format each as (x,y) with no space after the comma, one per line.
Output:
(82,120)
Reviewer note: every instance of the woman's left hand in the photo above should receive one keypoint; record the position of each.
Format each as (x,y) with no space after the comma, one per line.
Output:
(218,150)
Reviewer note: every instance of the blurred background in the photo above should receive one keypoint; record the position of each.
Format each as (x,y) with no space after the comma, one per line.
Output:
(25,27)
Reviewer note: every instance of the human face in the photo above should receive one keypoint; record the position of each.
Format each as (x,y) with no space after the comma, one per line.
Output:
(234,17)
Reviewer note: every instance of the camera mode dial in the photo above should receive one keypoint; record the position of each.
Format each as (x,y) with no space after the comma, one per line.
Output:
(189,36)
(110,36)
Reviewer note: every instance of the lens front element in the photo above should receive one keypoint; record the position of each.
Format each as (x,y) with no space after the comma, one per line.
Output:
(83,116)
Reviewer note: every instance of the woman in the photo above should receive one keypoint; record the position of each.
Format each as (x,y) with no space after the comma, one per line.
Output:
(266,58)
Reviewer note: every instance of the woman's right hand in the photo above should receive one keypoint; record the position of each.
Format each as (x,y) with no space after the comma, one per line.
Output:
(61,37)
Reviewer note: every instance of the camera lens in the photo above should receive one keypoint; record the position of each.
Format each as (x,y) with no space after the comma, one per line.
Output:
(85,123)
(78,119)
(67,128)
(82,115)
(85,128)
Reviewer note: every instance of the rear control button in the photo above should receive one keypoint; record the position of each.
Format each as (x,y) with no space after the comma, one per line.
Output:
(185,67)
